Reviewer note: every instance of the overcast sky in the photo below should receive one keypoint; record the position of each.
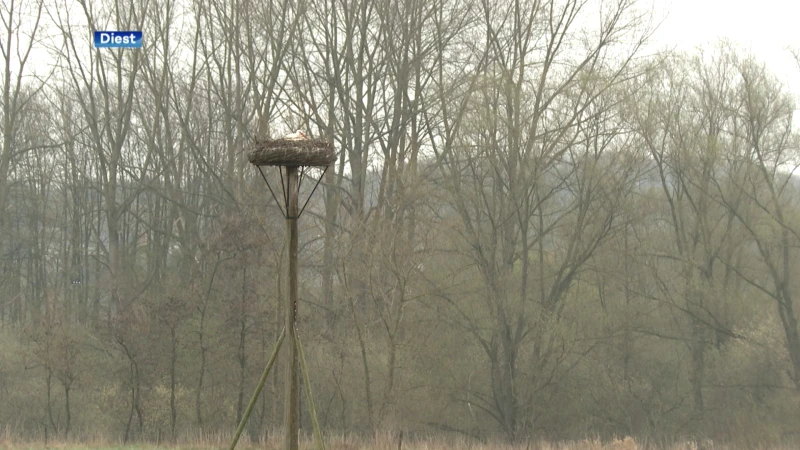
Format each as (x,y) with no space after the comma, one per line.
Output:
(766,28)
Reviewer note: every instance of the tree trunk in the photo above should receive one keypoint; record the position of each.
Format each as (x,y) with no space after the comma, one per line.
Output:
(68,410)
(697,348)
(365,364)
(172,369)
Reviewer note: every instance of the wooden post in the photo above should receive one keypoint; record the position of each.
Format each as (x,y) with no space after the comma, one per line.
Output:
(291,397)
(292,152)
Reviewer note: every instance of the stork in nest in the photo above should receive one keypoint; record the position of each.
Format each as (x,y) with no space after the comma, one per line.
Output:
(298,136)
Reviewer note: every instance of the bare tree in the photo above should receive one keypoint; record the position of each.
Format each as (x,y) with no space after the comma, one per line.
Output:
(762,192)
(534,174)
(21,30)
(104,85)
(682,121)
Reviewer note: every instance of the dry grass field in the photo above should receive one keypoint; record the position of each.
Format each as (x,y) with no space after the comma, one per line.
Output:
(389,442)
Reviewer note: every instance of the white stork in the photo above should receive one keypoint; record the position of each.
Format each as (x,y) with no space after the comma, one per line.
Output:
(299,135)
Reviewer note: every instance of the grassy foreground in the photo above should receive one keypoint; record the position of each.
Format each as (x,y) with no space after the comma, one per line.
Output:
(389,442)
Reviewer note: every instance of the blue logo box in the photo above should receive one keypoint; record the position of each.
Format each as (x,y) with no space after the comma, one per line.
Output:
(118,39)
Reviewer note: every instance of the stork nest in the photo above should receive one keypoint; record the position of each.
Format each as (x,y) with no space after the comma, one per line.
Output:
(287,152)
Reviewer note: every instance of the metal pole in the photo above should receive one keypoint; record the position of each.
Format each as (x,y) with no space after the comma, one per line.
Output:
(291,397)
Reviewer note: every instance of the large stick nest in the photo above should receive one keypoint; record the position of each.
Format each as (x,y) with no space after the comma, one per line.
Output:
(287,152)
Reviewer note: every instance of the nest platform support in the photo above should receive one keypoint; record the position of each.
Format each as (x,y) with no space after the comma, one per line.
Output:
(295,155)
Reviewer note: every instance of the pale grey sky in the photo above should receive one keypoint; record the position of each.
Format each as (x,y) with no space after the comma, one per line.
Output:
(765,28)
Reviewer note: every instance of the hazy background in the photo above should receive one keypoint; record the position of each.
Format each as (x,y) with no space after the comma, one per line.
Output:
(548,219)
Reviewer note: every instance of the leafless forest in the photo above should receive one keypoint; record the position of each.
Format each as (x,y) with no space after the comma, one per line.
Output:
(538,227)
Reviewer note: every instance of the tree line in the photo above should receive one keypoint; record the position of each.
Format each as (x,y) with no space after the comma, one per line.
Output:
(537,227)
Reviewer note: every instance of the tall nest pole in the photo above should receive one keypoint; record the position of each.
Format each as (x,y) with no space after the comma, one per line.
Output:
(293,156)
